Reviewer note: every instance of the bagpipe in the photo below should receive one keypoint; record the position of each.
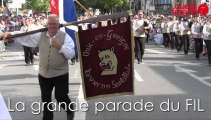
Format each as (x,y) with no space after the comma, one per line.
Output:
(142,28)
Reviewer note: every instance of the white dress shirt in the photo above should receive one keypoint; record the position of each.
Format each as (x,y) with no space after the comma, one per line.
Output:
(176,28)
(207,31)
(171,25)
(136,25)
(184,28)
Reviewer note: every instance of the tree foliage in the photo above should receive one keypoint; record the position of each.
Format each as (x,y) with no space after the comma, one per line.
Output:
(105,5)
(38,5)
(108,5)
(79,9)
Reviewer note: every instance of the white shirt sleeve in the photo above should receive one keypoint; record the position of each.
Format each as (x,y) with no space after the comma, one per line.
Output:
(150,25)
(205,31)
(162,25)
(68,47)
(175,28)
(182,27)
(28,40)
(192,30)
(135,25)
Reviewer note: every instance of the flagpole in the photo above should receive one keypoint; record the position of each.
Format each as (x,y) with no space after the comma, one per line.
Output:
(114,16)
(83,7)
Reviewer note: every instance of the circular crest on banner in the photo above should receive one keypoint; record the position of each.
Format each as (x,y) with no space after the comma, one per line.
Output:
(203,9)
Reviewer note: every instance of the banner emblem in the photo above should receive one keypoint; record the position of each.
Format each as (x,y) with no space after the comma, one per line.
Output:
(203,9)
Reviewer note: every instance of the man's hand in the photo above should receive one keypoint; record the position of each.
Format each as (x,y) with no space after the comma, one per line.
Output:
(141,30)
(4,35)
(55,43)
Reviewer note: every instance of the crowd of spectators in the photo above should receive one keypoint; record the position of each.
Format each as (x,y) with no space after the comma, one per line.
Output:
(14,23)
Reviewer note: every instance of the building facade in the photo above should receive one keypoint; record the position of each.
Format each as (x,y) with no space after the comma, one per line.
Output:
(163,6)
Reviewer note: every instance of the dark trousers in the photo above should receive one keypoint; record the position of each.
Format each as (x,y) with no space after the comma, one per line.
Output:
(172,34)
(147,38)
(178,42)
(186,43)
(29,54)
(61,85)
(36,50)
(198,46)
(139,47)
(74,59)
(208,45)
(166,39)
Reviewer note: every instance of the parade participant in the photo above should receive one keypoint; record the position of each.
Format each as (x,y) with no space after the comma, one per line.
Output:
(55,48)
(207,38)
(139,27)
(166,33)
(171,23)
(2,47)
(197,36)
(185,28)
(178,33)
(147,19)
(28,51)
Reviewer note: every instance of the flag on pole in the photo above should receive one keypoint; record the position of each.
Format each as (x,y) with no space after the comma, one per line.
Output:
(106,58)
(65,9)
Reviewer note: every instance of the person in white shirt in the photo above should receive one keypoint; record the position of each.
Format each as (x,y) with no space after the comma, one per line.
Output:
(178,34)
(166,33)
(158,38)
(55,47)
(2,47)
(207,38)
(185,28)
(171,23)
(28,51)
(139,27)
(197,36)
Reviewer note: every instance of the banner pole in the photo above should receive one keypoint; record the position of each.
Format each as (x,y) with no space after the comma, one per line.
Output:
(83,7)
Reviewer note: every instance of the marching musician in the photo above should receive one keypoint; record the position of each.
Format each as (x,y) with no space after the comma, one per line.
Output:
(185,29)
(178,34)
(166,33)
(140,27)
(171,23)
(197,36)
(207,38)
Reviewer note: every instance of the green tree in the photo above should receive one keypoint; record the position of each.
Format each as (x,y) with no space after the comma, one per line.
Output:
(109,5)
(79,9)
(106,5)
(38,5)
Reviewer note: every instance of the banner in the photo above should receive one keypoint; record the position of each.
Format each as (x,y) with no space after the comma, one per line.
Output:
(184,9)
(106,58)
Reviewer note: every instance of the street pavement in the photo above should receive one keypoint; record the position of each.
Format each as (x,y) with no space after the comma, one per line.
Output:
(168,86)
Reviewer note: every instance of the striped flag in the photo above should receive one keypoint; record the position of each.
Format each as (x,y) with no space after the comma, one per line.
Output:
(65,9)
